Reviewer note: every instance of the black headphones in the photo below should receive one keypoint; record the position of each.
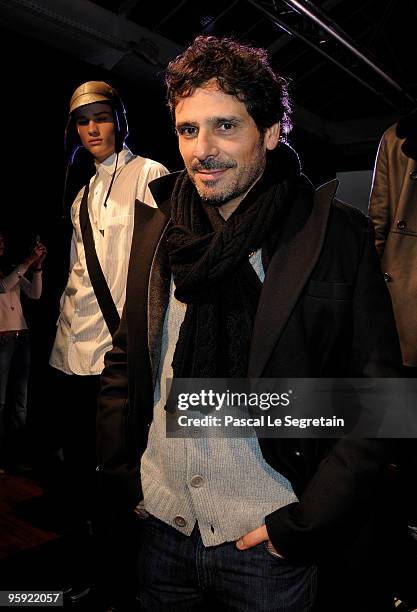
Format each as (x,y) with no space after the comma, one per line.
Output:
(88,93)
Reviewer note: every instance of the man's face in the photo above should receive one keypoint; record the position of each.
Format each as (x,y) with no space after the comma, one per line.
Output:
(222,149)
(95,127)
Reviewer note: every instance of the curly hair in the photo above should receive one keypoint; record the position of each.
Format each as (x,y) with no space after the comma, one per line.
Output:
(239,70)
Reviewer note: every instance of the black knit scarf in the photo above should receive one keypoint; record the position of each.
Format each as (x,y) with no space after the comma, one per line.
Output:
(209,259)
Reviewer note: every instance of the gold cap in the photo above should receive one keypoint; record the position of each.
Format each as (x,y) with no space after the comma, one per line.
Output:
(91,91)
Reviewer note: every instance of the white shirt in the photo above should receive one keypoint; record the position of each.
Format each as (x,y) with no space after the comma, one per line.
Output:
(11,313)
(82,337)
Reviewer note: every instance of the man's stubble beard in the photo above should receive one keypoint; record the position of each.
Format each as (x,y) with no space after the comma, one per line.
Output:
(254,171)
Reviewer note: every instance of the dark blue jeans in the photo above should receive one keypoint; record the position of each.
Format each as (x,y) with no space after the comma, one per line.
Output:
(14,375)
(177,572)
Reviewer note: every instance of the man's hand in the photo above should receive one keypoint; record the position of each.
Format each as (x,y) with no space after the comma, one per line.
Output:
(255,537)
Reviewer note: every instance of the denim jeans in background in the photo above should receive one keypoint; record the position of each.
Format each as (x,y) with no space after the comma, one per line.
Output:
(176,572)
(14,375)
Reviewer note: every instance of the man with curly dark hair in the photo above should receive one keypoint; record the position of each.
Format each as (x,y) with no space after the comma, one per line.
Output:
(239,71)
(242,271)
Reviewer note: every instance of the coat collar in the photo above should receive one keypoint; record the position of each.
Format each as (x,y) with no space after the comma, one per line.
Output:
(162,188)
(140,312)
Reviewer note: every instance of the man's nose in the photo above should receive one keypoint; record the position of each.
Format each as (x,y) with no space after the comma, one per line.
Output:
(93,128)
(205,145)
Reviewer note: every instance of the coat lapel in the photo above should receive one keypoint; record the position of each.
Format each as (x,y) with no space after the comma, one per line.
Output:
(149,226)
(288,273)
(158,298)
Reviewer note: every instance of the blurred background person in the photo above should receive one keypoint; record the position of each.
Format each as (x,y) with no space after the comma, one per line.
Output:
(393,209)
(14,338)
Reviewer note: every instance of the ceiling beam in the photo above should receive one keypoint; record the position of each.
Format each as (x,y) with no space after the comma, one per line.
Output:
(91,33)
(283,40)
(222,14)
(290,29)
(307,9)
(170,14)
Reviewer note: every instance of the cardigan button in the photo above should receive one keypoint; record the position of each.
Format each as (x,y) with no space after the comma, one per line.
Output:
(401,224)
(197,481)
(413,175)
(180,521)
(387,277)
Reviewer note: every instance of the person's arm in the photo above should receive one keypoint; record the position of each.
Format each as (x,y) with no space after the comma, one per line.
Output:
(76,246)
(33,288)
(112,399)
(11,280)
(341,495)
(17,276)
(379,203)
(118,472)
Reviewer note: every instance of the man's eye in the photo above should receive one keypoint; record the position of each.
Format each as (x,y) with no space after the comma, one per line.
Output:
(187,131)
(82,122)
(226,126)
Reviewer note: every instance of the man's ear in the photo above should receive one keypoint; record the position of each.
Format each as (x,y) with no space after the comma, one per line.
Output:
(272,136)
